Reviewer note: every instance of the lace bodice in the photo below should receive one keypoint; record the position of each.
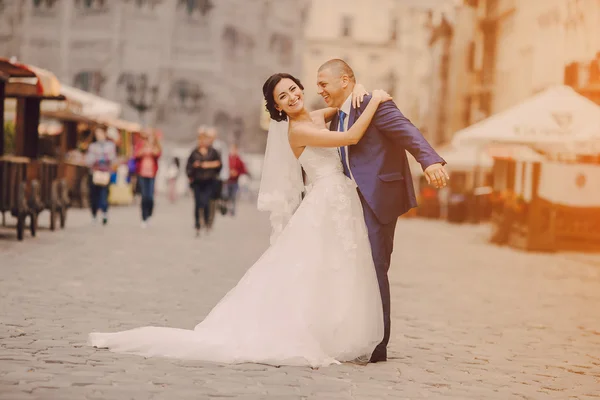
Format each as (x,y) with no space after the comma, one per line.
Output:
(319,162)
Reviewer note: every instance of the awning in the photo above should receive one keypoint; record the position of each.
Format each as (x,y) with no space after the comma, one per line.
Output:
(14,70)
(557,116)
(29,81)
(48,81)
(466,158)
(121,124)
(515,152)
(91,105)
(67,115)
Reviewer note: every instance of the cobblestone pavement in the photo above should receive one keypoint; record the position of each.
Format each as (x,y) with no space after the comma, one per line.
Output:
(470,320)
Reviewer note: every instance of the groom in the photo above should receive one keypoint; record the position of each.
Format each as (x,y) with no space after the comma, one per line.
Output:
(379,166)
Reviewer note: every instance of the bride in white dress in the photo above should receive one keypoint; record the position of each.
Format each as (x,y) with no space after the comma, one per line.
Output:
(312,299)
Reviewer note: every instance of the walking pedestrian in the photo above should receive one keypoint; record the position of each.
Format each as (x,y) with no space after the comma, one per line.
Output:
(100,157)
(202,168)
(146,157)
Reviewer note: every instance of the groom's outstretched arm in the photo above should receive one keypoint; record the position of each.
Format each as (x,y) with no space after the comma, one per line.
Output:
(391,122)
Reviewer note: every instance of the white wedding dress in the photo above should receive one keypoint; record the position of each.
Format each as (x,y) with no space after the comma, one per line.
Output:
(312,299)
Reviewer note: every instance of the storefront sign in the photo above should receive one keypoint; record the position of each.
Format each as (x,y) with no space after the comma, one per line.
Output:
(562,127)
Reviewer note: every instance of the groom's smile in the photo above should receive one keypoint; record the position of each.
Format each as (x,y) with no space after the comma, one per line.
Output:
(323,93)
(330,86)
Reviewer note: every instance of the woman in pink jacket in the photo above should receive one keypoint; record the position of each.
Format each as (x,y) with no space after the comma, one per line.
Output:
(146,156)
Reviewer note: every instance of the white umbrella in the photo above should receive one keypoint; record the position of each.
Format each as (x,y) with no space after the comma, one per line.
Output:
(91,105)
(556,116)
(466,158)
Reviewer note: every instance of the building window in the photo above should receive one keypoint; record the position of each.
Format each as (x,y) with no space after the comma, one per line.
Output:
(316,53)
(140,4)
(90,4)
(89,81)
(201,6)
(485,104)
(471,57)
(283,46)
(467,112)
(394,30)
(91,7)
(347,26)
(45,3)
(595,70)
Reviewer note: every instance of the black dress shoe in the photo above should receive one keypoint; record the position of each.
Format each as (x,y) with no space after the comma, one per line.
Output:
(378,356)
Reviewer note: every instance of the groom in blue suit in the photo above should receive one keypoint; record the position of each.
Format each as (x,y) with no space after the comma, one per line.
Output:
(379,166)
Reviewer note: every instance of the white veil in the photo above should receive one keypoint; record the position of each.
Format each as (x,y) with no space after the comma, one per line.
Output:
(281,183)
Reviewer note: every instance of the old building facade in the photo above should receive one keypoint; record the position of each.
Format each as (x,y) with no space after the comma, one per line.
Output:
(503,51)
(386,43)
(173,64)
(524,47)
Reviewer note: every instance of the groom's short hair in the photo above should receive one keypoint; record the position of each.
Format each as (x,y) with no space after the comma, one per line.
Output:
(340,67)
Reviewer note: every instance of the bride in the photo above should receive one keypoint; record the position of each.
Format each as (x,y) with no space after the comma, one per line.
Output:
(312,299)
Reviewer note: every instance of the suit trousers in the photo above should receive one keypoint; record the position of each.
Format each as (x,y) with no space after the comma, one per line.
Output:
(381,237)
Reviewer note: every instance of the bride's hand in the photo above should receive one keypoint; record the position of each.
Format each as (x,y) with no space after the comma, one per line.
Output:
(358,94)
(381,95)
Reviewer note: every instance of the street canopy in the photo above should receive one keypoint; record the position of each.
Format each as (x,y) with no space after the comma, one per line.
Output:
(91,105)
(558,116)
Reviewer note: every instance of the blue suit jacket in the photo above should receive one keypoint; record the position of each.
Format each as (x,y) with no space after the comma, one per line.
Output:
(379,163)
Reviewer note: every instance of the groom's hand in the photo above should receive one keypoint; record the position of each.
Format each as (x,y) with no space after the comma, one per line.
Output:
(436,175)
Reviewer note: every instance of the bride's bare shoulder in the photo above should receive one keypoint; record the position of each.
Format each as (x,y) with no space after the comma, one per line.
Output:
(324,115)
(318,122)
(296,125)
(294,131)
(303,127)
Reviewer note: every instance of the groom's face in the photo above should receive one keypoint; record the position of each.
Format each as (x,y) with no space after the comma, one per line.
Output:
(331,85)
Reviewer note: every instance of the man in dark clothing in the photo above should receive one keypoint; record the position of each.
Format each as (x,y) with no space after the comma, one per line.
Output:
(203,167)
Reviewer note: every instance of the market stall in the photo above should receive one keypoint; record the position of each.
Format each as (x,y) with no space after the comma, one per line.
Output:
(29,183)
(547,206)
(82,114)
(563,127)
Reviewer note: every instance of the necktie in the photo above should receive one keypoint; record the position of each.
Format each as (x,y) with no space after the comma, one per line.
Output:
(342,149)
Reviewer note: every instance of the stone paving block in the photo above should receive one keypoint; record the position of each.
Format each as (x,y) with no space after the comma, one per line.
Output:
(470,320)
(16,395)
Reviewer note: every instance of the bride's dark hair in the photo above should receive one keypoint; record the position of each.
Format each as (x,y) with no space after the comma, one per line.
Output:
(268,89)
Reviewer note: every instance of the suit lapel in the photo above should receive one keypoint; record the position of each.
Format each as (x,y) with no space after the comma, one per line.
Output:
(352,119)
(333,125)
(352,116)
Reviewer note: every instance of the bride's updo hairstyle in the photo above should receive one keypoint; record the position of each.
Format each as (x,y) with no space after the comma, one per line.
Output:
(268,89)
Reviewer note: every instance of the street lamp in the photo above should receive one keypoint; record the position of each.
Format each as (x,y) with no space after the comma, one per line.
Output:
(190,95)
(141,96)
(204,6)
